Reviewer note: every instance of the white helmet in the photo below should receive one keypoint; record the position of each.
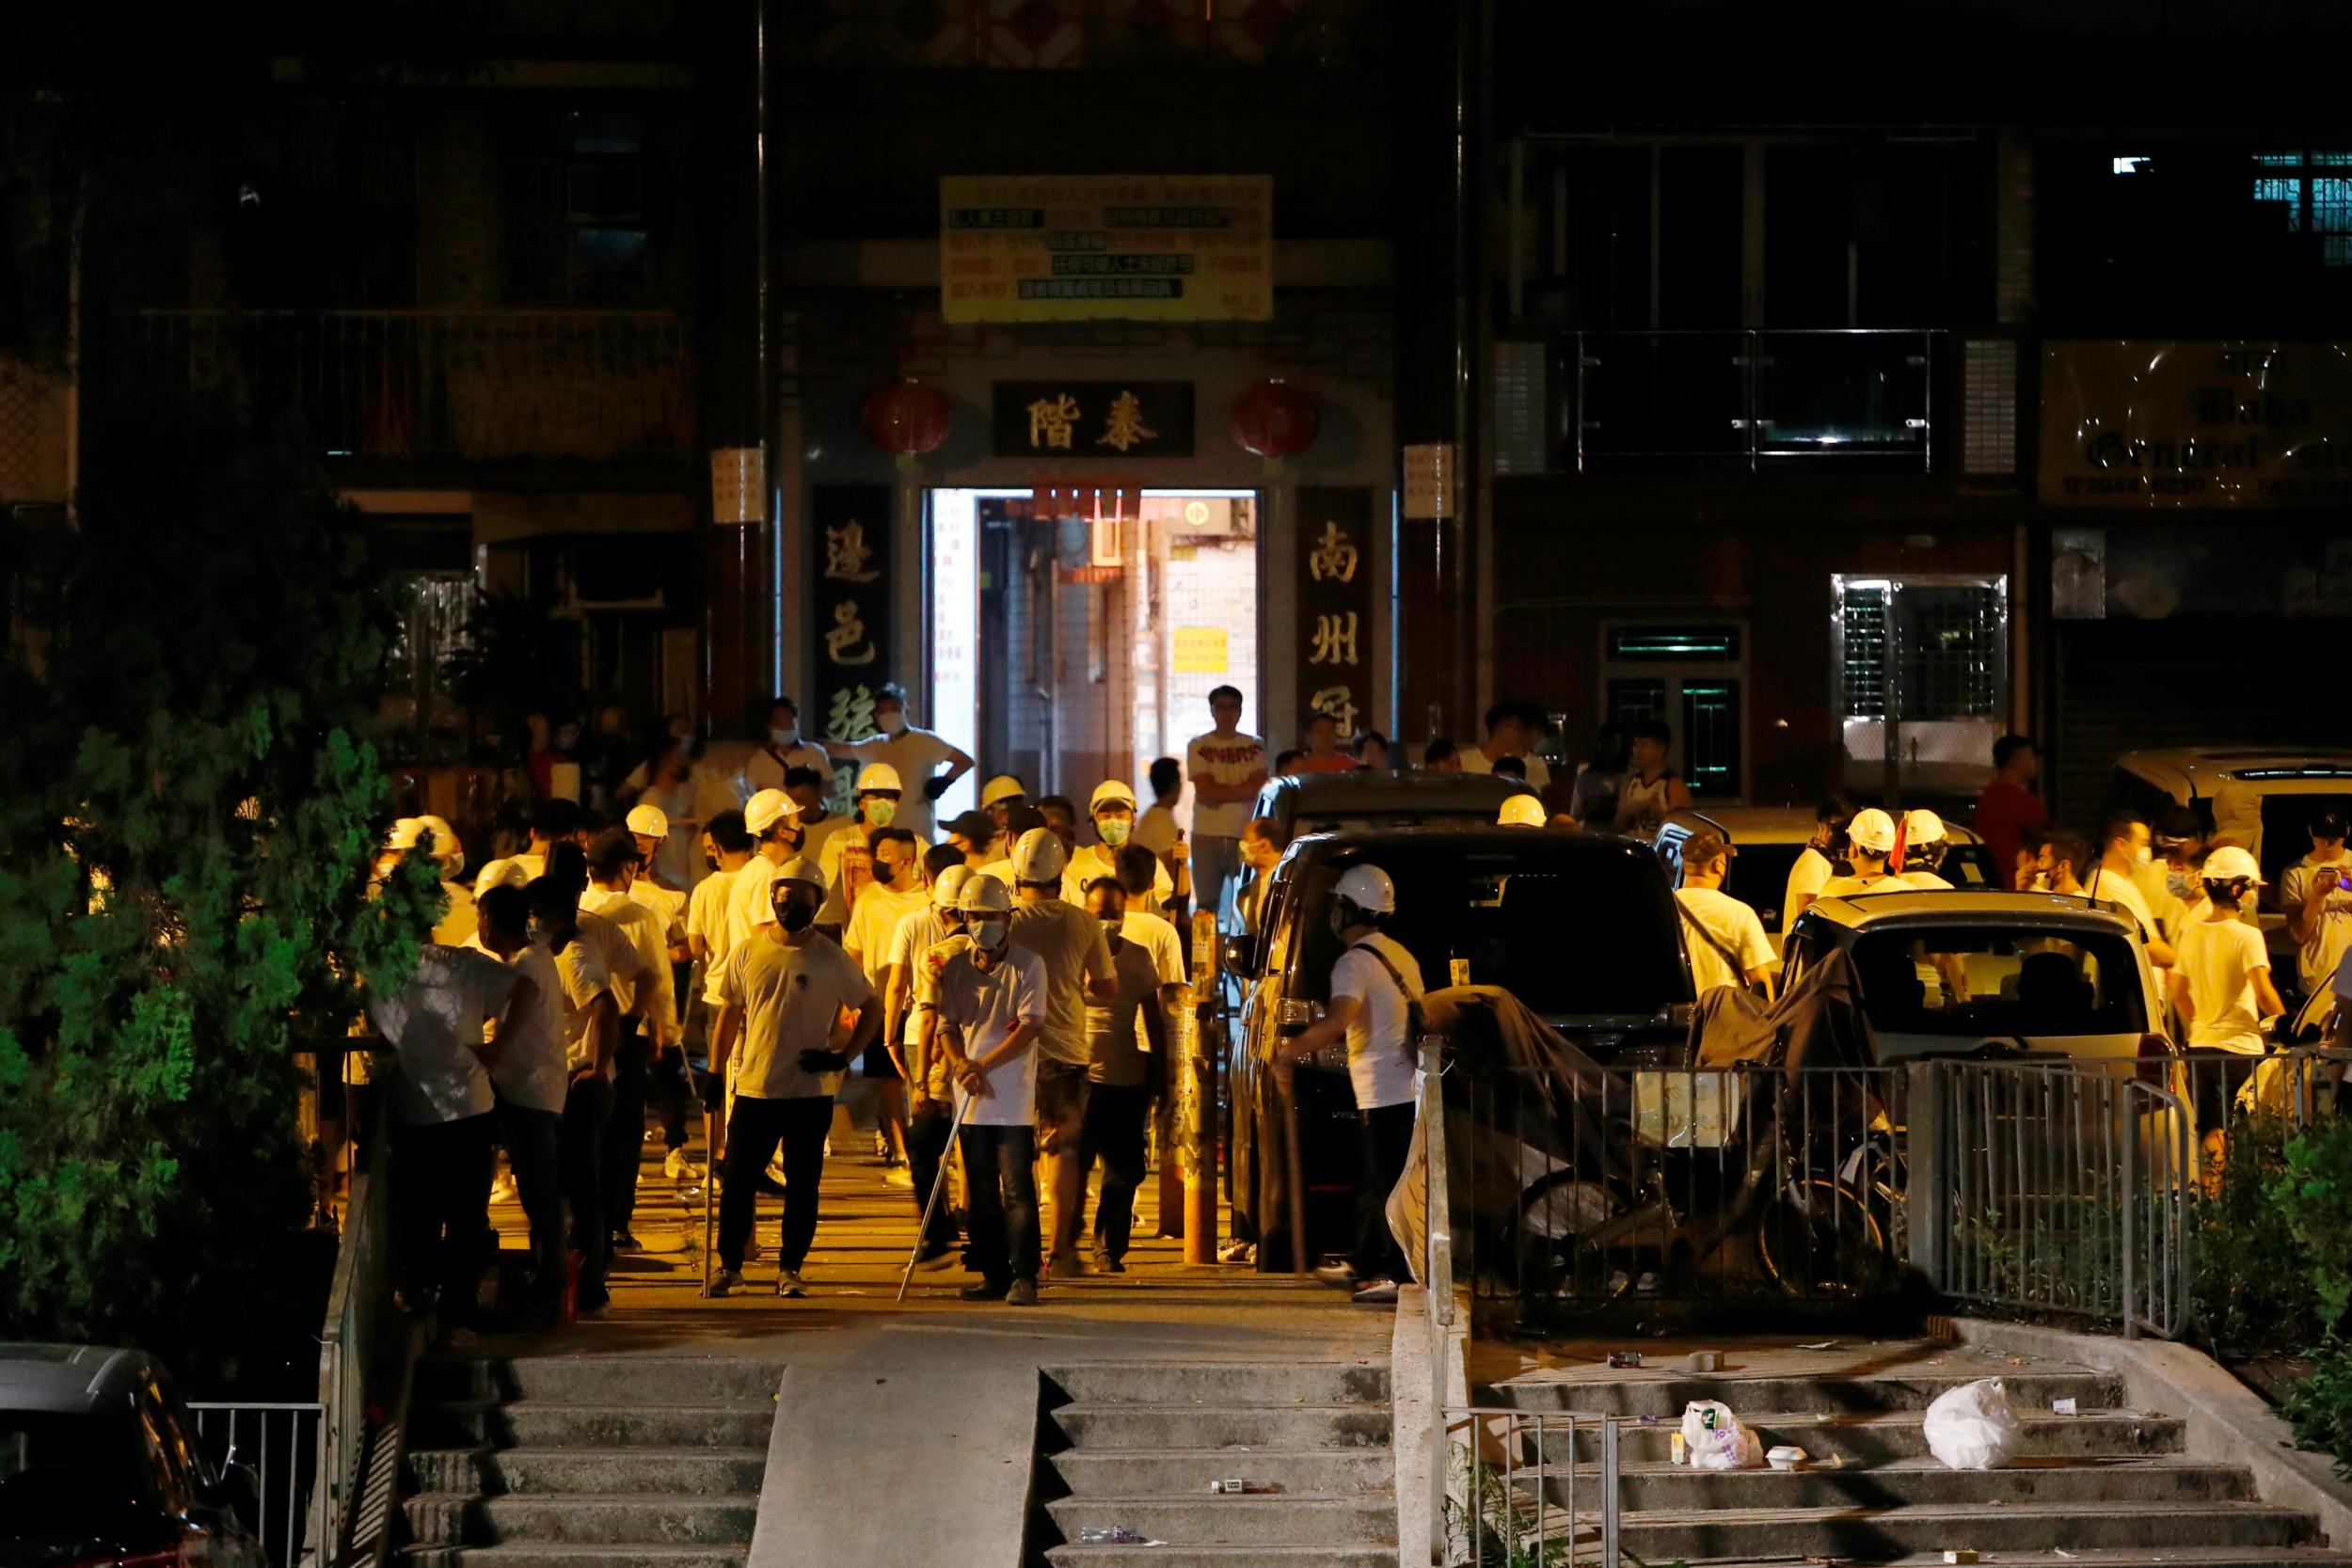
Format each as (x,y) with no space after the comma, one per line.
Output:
(1522,811)
(500,873)
(447,847)
(1872,831)
(766,809)
(2230,864)
(984,896)
(1111,791)
(650,820)
(403,834)
(1922,827)
(800,869)
(877,776)
(948,886)
(1368,888)
(1003,786)
(1040,857)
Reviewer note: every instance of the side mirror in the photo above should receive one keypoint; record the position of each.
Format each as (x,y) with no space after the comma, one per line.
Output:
(1239,954)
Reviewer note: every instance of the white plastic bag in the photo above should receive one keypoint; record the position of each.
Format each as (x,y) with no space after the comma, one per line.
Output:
(1716,1440)
(1972,1428)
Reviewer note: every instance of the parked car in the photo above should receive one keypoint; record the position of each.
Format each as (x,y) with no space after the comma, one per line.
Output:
(99,1468)
(1581,928)
(1337,803)
(1768,839)
(2261,797)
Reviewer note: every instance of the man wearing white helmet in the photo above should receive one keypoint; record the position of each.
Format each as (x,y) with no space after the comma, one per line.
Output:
(991,1017)
(1374,1008)
(1924,844)
(775,825)
(909,995)
(2221,979)
(785,992)
(1869,845)
(917,754)
(895,892)
(669,1091)
(1113,809)
(440,840)
(847,857)
(1078,962)
(1000,798)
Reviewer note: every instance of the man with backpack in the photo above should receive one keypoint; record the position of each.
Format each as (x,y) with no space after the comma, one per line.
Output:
(1375,1008)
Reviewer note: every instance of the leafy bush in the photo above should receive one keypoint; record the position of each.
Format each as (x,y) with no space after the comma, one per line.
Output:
(2253,1292)
(2312,1191)
(187,809)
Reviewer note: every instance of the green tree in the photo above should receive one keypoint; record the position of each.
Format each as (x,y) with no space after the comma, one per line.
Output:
(188,805)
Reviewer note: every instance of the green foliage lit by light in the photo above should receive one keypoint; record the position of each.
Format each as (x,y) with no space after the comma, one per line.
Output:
(188,806)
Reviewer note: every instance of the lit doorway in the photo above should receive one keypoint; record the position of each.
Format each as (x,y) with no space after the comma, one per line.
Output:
(1067,646)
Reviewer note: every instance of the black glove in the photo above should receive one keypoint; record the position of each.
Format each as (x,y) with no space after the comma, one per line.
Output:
(824,1061)
(934,787)
(714,1090)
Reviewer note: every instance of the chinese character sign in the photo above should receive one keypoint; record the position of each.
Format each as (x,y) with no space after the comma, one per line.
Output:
(1102,420)
(1336,607)
(1106,247)
(849,531)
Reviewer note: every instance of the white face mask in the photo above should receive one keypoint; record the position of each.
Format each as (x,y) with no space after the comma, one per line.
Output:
(1115,829)
(785,737)
(891,723)
(989,935)
(2142,857)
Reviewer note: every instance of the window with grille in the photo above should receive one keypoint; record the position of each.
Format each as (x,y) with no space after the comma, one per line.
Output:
(1688,676)
(1922,677)
(573,212)
(2313,195)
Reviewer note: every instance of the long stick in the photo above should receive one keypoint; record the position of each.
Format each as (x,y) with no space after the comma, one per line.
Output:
(939,1183)
(710,1182)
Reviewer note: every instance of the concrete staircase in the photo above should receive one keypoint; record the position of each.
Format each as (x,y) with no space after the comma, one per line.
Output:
(2107,1485)
(1139,1444)
(619,1462)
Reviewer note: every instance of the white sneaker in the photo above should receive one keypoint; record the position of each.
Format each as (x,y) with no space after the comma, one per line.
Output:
(900,1178)
(1375,1292)
(789,1285)
(677,1167)
(722,1281)
(775,1170)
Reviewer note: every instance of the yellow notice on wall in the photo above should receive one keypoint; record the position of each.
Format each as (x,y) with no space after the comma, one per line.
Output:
(1106,247)
(1201,650)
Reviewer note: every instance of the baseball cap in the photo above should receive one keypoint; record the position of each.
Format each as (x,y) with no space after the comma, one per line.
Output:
(1872,831)
(1922,827)
(877,776)
(1111,791)
(765,809)
(2229,864)
(1003,786)
(948,886)
(1040,857)
(2328,824)
(1703,848)
(978,826)
(649,820)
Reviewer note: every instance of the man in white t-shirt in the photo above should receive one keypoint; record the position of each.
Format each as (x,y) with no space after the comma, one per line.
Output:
(456,1017)
(1725,937)
(1816,863)
(785,992)
(1157,829)
(533,1078)
(667,1090)
(1119,1103)
(916,754)
(1113,809)
(910,1000)
(1227,769)
(591,1045)
(1507,735)
(897,891)
(785,750)
(1376,991)
(2318,905)
(709,932)
(2221,986)
(1155,934)
(645,994)
(1925,844)
(991,1013)
(1869,843)
(2125,848)
(847,857)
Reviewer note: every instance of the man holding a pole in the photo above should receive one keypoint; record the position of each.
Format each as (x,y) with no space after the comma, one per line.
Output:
(991,1015)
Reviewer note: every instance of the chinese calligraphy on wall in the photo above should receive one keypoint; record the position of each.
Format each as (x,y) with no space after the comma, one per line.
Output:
(1336,605)
(850,528)
(1092,419)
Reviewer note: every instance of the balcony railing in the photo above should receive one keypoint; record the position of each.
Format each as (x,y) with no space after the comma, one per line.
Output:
(1746,399)
(397,387)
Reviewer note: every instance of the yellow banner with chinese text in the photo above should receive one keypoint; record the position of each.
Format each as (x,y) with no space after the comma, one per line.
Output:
(1106,247)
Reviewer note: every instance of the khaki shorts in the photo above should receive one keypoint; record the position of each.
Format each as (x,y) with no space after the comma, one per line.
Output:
(1061,1105)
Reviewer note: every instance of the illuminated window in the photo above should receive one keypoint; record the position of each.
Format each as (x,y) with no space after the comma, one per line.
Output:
(2311,202)
(2135,166)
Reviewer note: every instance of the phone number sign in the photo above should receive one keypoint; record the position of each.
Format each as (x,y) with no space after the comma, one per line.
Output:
(1106,247)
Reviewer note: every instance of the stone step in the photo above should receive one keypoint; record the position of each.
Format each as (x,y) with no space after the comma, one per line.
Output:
(447,1519)
(1894,1436)
(679,1471)
(1189,1472)
(1202,1426)
(532,1423)
(633,1556)
(1912,1483)
(1660,1394)
(1288,1519)
(1225,1384)
(1224,1556)
(601,1380)
(1877,1534)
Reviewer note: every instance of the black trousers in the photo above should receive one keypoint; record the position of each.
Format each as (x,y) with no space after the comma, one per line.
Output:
(927,1150)
(1000,1166)
(625,1131)
(755,1129)
(1117,1115)
(441,1211)
(587,1107)
(1388,1145)
(534,1141)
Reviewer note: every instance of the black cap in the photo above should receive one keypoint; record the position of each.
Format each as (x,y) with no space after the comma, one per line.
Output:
(2328,824)
(978,826)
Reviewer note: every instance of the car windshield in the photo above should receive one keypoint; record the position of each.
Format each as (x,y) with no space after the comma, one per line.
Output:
(1583,935)
(1981,984)
(69,1473)
(1342,822)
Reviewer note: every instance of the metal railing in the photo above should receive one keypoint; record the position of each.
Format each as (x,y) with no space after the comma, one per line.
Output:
(281,1443)
(427,385)
(352,1349)
(1530,1489)
(1745,399)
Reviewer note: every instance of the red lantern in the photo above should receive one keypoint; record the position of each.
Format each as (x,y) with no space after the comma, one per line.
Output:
(906,417)
(1275,418)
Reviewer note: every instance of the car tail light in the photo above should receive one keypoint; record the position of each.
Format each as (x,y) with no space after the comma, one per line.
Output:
(2155,1061)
